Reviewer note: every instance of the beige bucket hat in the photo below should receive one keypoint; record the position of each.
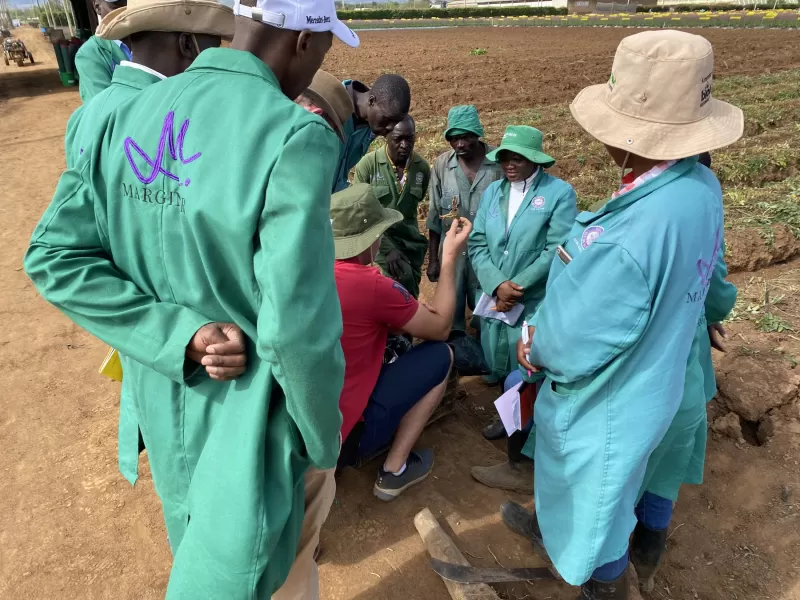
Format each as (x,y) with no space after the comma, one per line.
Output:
(658,101)
(185,16)
(328,93)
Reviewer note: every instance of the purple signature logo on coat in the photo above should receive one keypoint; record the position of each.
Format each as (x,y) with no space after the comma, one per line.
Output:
(706,269)
(166,142)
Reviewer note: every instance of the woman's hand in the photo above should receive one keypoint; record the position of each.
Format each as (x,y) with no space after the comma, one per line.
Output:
(509,292)
(524,349)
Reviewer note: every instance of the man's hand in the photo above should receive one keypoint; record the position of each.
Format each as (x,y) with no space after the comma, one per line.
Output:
(503,307)
(434,266)
(509,293)
(524,349)
(220,348)
(456,239)
(716,333)
(396,264)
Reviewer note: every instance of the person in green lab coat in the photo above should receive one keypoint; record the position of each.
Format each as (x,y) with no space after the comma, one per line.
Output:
(521,220)
(157,54)
(97,58)
(376,111)
(400,179)
(187,210)
(459,176)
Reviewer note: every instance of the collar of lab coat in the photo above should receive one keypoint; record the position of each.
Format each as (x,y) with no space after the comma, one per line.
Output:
(679,169)
(234,61)
(505,191)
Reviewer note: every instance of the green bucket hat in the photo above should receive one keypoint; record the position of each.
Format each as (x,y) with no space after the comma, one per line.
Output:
(461,120)
(358,219)
(525,141)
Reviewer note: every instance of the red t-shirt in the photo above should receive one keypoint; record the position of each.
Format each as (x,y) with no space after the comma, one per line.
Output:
(372,305)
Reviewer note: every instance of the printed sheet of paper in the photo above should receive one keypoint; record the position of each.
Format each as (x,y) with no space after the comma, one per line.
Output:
(508,407)
(487,308)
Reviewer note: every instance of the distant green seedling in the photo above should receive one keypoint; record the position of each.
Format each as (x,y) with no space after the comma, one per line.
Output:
(478,52)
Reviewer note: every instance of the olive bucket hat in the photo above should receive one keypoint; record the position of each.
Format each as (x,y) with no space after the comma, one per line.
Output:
(525,141)
(358,219)
(462,120)
(658,102)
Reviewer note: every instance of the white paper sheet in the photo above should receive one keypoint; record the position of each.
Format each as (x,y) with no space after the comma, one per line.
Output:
(508,407)
(487,306)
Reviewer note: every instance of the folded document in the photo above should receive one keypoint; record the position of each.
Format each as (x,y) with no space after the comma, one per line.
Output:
(487,308)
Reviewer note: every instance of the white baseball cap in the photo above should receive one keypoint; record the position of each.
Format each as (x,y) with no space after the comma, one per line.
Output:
(297,15)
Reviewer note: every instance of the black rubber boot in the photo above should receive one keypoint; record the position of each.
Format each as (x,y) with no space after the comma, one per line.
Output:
(647,553)
(516,442)
(524,523)
(619,589)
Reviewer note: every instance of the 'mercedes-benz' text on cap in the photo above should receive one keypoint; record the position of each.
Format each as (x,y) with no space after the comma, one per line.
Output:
(297,15)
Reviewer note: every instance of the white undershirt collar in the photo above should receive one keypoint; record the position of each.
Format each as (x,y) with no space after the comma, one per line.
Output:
(133,65)
(517,194)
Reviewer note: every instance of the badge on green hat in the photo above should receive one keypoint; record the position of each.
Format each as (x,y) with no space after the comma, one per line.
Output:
(525,141)
(358,219)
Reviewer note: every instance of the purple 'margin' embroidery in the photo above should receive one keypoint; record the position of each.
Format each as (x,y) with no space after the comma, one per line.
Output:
(166,141)
(706,269)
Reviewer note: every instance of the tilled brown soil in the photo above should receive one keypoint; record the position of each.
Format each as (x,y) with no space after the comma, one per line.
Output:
(528,66)
(71,526)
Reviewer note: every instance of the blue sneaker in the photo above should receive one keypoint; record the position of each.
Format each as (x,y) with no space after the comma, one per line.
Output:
(389,486)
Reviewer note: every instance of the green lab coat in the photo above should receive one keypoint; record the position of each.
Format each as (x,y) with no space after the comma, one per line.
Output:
(357,139)
(227,219)
(523,254)
(377,170)
(447,182)
(126,82)
(81,131)
(95,62)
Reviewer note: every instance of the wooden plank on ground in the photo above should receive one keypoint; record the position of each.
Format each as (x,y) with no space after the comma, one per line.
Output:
(440,546)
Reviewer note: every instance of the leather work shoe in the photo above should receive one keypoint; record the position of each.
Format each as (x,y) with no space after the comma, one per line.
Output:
(494,430)
(511,476)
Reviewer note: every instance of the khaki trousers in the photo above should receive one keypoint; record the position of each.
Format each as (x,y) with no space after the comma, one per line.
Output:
(303,580)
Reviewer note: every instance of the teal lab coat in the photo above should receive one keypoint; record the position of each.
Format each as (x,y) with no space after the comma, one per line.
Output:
(81,132)
(522,255)
(95,62)
(680,456)
(357,139)
(613,337)
(226,219)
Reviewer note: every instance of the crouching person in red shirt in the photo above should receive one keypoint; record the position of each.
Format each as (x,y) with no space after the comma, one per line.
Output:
(387,405)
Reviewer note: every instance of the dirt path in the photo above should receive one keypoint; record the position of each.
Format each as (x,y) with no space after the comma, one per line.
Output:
(72,528)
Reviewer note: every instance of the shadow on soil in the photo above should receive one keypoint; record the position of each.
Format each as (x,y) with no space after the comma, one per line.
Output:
(29,81)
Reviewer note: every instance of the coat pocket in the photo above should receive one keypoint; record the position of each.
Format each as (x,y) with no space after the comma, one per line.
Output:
(383,193)
(553,415)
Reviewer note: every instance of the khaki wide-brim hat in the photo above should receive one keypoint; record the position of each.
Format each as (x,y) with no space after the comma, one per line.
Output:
(358,219)
(658,101)
(328,93)
(183,16)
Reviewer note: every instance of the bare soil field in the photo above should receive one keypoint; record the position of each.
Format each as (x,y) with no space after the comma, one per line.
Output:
(73,528)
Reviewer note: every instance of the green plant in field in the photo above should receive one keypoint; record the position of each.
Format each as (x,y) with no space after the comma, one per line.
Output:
(478,52)
(770,323)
